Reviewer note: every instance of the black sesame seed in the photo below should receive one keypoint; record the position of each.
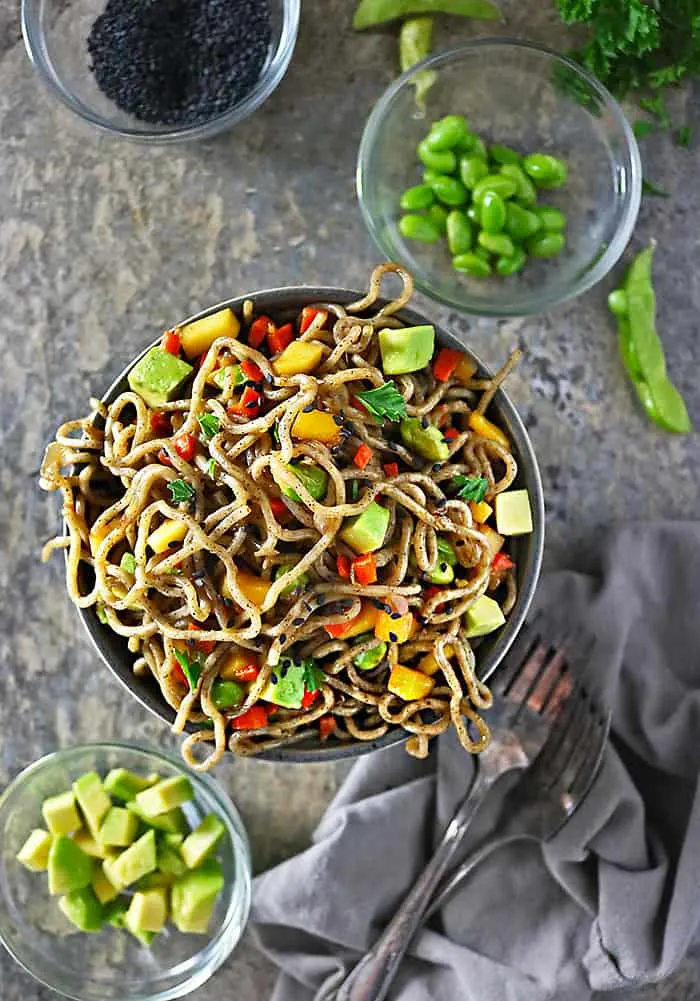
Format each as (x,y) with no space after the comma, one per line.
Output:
(388,609)
(459,542)
(283,672)
(338,420)
(298,621)
(421,619)
(395,616)
(437,467)
(393,637)
(441,503)
(283,638)
(424,422)
(253,405)
(173,545)
(268,377)
(307,410)
(443,567)
(273,679)
(227,603)
(350,427)
(379,605)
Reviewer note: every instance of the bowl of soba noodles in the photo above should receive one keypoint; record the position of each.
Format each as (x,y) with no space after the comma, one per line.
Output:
(303,524)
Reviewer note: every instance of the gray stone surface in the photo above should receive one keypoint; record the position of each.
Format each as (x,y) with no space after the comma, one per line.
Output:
(102,244)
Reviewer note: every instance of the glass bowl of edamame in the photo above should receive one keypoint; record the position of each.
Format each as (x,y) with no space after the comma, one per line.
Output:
(511,185)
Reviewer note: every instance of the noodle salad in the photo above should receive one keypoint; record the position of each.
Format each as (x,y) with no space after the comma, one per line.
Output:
(300,530)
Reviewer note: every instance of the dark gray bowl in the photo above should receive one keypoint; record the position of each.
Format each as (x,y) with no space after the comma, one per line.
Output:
(285,304)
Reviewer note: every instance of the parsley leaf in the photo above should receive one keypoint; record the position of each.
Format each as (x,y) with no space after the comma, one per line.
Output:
(211,468)
(656,106)
(642,129)
(191,668)
(471,488)
(649,188)
(683,137)
(210,425)
(386,401)
(181,491)
(314,677)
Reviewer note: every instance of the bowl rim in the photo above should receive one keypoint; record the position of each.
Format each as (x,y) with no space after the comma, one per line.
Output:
(280,298)
(202,965)
(531,304)
(265,85)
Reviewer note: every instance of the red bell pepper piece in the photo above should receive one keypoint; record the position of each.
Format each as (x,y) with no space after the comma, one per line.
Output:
(171,342)
(259,329)
(450,434)
(362,456)
(204,646)
(343,566)
(186,446)
(430,592)
(308,315)
(160,423)
(251,371)
(179,674)
(251,719)
(308,699)
(278,340)
(445,363)
(163,458)
(391,468)
(365,569)
(501,562)
(248,405)
(326,726)
(280,509)
(358,404)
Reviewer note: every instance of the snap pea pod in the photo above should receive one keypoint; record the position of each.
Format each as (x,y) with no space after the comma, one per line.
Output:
(415,43)
(641,350)
(371,13)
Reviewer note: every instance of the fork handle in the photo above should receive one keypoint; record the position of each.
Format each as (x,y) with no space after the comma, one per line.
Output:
(371,978)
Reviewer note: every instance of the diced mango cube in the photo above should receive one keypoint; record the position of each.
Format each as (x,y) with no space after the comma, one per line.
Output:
(487,429)
(198,336)
(253,588)
(429,665)
(316,425)
(299,357)
(236,660)
(466,370)
(394,630)
(481,511)
(363,622)
(409,684)
(170,531)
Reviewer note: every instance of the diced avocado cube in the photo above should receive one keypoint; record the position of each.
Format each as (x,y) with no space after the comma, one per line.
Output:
(157,880)
(165,795)
(34,853)
(61,813)
(365,532)
(174,840)
(368,660)
(427,442)
(513,512)
(170,860)
(109,871)
(483,617)
(92,799)
(228,376)
(446,552)
(202,842)
(83,909)
(104,890)
(299,581)
(442,573)
(83,839)
(119,827)
(196,923)
(158,377)
(123,784)
(173,822)
(288,690)
(195,890)
(69,867)
(135,862)
(144,937)
(225,694)
(148,910)
(115,911)
(406,349)
(314,479)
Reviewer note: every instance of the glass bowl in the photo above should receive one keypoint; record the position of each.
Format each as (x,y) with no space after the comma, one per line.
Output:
(530,98)
(112,965)
(55,35)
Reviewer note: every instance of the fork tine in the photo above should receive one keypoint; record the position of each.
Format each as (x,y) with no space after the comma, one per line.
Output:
(588,769)
(563,719)
(573,749)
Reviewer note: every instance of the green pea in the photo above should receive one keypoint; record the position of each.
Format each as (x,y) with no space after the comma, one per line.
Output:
(419,227)
(459,233)
(553,221)
(525,191)
(520,224)
(617,302)
(546,171)
(497,243)
(447,133)
(502,185)
(493,212)
(546,244)
(438,214)
(479,148)
(471,264)
(444,163)
(474,214)
(503,154)
(483,253)
(416,198)
(449,190)
(509,265)
(472,169)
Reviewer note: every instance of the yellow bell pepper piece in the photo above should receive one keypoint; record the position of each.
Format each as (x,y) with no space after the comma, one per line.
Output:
(198,336)
(237,659)
(394,630)
(481,511)
(316,425)
(466,370)
(252,587)
(429,664)
(363,622)
(487,429)
(409,684)
(299,357)
(170,531)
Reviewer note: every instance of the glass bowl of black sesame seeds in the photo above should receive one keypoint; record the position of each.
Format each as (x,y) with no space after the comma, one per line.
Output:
(161,70)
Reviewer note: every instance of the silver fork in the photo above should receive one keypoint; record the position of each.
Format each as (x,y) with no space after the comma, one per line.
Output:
(530,691)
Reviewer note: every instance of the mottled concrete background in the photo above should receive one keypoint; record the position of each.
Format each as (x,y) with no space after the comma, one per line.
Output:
(102,244)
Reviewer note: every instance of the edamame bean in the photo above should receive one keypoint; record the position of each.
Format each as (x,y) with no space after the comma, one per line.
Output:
(416,198)
(493,212)
(447,133)
(520,223)
(497,243)
(479,148)
(438,214)
(483,253)
(450,191)
(525,191)
(474,214)
(471,264)
(509,265)
(502,185)
(472,169)
(546,171)
(503,154)
(419,227)
(459,233)
(465,145)
(443,163)
(546,244)
(617,302)
(553,221)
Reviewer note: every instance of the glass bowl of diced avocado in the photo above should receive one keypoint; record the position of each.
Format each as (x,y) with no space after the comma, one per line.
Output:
(502,174)
(123,875)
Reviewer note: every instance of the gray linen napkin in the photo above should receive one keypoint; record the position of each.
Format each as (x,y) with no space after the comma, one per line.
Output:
(612,900)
